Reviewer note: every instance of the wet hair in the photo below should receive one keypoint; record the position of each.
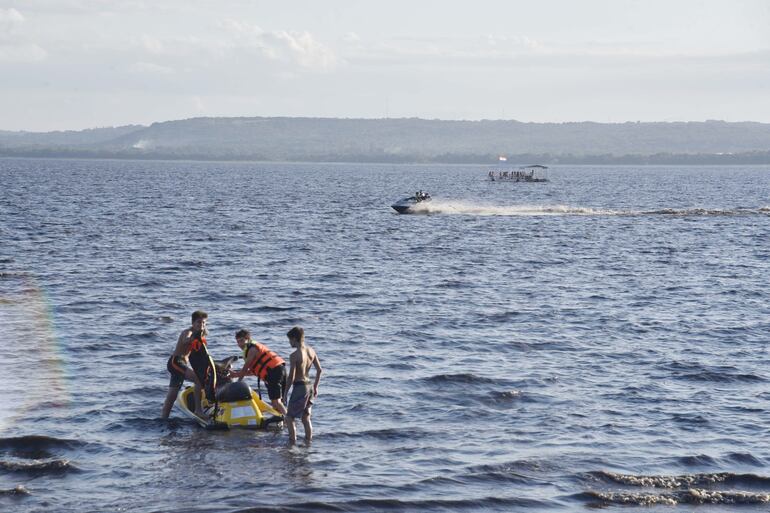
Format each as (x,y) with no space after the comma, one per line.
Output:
(199,314)
(242,333)
(296,333)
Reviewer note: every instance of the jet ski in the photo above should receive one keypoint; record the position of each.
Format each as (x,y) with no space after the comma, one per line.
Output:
(234,405)
(408,205)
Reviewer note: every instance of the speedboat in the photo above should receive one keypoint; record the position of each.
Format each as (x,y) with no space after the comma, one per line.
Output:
(407,205)
(235,404)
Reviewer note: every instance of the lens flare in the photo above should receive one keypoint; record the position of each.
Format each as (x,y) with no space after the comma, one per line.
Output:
(32,373)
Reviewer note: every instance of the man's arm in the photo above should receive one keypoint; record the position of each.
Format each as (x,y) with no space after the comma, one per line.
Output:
(247,365)
(318,372)
(290,377)
(181,340)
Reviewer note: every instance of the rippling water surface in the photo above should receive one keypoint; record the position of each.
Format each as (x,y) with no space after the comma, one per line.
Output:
(598,340)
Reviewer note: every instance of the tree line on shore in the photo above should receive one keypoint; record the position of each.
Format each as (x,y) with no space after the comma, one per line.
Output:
(406,141)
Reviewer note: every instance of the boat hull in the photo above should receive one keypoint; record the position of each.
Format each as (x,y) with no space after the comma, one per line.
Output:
(401,209)
(409,205)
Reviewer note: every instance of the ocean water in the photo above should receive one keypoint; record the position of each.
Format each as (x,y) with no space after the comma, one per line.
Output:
(600,340)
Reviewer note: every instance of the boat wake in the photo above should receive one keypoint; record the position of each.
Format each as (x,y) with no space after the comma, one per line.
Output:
(448,207)
(465,208)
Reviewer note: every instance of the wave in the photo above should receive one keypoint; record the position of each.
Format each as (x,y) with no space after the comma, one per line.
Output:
(683,481)
(462,378)
(140,424)
(474,504)
(517,468)
(506,399)
(691,496)
(38,467)
(271,308)
(17,490)
(390,434)
(745,458)
(506,396)
(693,371)
(698,460)
(37,443)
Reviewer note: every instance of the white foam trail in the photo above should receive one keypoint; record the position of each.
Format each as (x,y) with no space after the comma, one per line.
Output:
(480,209)
(465,208)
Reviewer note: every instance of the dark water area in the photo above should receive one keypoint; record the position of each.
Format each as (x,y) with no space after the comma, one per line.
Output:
(600,340)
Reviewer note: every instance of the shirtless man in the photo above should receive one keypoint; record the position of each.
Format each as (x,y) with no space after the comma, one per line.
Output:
(179,365)
(302,396)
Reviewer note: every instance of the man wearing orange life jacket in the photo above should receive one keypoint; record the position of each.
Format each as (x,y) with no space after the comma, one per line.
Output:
(179,363)
(265,364)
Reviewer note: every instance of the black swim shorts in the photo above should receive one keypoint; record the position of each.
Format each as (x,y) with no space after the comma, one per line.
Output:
(177,367)
(275,381)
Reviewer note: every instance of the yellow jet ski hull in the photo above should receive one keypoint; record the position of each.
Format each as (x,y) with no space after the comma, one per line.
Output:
(252,413)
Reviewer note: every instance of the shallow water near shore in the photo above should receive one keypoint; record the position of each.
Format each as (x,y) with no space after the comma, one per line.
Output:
(600,340)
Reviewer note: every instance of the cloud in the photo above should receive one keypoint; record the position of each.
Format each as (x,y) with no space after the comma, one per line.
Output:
(237,43)
(519,51)
(9,19)
(81,7)
(21,52)
(14,47)
(152,45)
(288,47)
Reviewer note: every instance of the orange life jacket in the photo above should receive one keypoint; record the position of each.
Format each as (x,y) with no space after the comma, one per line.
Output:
(266,359)
(196,344)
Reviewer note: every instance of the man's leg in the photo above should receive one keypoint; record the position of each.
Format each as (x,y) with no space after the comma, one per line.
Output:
(278,405)
(169,402)
(280,389)
(292,430)
(308,427)
(197,397)
(189,375)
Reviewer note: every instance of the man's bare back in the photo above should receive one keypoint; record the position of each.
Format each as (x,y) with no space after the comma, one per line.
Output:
(302,359)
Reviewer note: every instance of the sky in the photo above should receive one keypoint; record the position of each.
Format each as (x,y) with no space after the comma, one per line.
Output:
(77,64)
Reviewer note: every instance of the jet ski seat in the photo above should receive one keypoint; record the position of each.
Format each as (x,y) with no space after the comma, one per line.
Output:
(237,391)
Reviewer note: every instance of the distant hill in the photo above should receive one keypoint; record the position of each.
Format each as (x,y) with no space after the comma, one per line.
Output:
(405,140)
(64,138)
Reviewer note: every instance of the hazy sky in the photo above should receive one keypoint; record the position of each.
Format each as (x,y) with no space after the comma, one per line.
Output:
(73,64)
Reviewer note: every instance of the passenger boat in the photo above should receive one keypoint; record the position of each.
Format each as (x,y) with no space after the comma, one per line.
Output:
(534,173)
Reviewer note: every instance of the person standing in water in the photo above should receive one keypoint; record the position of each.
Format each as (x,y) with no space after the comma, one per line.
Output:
(179,363)
(265,364)
(302,396)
